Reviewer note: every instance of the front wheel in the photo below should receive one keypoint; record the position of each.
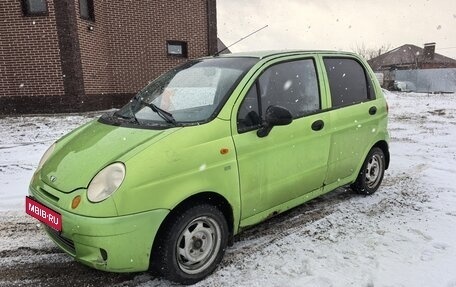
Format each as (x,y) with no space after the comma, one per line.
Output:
(193,245)
(371,175)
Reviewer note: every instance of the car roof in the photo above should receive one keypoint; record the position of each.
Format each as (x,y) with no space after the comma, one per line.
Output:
(280,53)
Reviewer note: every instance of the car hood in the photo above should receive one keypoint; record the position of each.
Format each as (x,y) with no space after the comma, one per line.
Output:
(84,152)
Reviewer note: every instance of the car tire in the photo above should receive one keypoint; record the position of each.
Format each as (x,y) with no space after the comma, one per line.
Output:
(371,174)
(193,244)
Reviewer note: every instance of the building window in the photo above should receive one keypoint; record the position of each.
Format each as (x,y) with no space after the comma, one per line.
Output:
(34,7)
(86,10)
(177,48)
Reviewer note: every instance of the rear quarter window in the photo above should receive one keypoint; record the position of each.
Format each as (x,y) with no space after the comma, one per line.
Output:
(348,82)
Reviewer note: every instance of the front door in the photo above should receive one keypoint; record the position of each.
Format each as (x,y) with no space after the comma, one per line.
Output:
(291,160)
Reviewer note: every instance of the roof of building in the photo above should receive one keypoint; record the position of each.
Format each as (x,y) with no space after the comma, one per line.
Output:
(405,56)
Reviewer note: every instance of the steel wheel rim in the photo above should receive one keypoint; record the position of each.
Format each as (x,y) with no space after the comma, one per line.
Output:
(198,245)
(374,170)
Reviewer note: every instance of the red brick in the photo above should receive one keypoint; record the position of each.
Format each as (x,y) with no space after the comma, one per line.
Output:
(126,49)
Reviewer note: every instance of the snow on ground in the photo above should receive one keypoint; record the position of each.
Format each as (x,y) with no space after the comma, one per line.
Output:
(403,235)
(23,140)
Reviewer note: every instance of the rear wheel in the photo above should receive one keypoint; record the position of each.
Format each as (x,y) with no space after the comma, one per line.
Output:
(193,245)
(371,175)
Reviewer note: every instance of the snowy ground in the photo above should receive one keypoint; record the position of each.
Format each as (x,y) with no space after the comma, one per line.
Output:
(403,235)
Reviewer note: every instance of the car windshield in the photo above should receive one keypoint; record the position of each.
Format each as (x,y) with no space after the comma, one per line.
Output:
(189,94)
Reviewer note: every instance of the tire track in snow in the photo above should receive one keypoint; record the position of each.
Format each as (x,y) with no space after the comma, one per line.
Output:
(257,238)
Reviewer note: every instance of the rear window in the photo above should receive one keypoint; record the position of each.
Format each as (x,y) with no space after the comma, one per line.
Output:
(347,82)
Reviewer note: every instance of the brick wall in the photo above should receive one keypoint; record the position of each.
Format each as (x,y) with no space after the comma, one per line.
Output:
(127,46)
(55,63)
(29,53)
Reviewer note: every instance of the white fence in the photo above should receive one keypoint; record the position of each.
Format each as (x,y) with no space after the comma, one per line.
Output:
(428,80)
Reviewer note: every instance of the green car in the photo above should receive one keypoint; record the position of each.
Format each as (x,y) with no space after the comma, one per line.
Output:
(205,150)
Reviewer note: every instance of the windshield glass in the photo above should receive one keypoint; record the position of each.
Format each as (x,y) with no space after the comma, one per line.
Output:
(191,93)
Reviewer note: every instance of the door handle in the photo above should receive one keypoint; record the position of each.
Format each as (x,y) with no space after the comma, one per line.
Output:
(373,110)
(318,125)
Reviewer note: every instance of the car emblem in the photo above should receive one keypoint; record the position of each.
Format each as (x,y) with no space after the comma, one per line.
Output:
(53,178)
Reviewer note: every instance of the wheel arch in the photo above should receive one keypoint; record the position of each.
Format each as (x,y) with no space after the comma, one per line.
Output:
(383,145)
(211,198)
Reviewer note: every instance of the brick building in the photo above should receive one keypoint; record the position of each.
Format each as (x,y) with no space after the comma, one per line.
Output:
(79,55)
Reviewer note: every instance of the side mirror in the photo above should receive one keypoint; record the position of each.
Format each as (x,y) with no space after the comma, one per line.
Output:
(275,116)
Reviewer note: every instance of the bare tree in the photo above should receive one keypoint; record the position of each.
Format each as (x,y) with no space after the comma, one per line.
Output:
(369,53)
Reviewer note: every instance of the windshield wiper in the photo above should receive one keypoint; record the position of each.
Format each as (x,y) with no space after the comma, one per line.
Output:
(167,116)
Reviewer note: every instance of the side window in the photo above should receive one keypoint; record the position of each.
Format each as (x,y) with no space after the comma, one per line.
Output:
(347,82)
(292,85)
(249,114)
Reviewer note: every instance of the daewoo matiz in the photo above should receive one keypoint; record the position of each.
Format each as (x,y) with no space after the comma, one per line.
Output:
(207,149)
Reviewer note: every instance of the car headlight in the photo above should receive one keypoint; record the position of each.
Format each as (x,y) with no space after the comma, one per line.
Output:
(46,156)
(106,182)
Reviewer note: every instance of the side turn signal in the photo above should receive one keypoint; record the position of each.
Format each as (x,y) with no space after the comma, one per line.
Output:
(76,201)
(224,150)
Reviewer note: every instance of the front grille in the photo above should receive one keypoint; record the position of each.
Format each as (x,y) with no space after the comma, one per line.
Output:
(48,195)
(66,243)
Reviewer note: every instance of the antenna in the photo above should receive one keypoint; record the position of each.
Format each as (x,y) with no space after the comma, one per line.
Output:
(254,32)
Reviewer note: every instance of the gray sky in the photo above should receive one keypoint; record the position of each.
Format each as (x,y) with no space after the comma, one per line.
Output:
(338,24)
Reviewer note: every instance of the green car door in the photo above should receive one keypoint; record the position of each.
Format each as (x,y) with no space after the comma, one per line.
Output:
(355,116)
(289,161)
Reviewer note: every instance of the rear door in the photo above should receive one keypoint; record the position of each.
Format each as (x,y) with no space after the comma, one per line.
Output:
(291,160)
(353,115)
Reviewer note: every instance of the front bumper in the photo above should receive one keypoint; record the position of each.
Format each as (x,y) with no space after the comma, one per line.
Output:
(115,244)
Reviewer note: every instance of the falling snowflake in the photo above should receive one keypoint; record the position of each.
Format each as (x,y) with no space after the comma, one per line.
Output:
(287,85)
